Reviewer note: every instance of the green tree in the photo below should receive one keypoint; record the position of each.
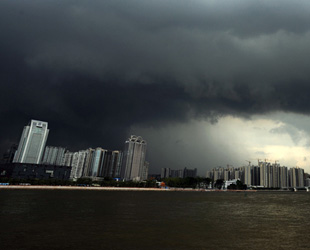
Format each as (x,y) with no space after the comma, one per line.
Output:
(240,185)
(84,181)
(219,183)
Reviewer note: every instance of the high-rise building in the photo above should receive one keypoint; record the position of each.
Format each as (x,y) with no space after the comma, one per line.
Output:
(115,170)
(67,159)
(209,174)
(74,162)
(283,177)
(32,143)
(94,163)
(82,154)
(248,171)
(238,174)
(255,176)
(251,175)
(177,173)
(53,155)
(97,161)
(111,164)
(190,173)
(165,173)
(8,156)
(264,173)
(106,163)
(218,173)
(145,171)
(87,170)
(134,158)
(296,177)
(226,175)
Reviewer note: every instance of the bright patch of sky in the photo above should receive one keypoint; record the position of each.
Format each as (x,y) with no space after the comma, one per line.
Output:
(264,137)
(231,141)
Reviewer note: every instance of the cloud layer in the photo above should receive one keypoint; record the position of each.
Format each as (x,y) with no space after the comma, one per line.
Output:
(94,70)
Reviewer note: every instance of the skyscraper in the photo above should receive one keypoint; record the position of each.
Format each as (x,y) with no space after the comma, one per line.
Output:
(134,158)
(296,177)
(97,161)
(87,170)
(78,163)
(53,155)
(116,164)
(32,143)
(165,173)
(67,159)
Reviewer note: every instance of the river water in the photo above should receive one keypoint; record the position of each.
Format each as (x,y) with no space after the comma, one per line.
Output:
(82,219)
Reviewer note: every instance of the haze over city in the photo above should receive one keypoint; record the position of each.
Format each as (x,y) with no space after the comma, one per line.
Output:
(205,83)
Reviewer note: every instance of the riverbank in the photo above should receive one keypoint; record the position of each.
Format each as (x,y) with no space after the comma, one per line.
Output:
(48,187)
(81,188)
(118,188)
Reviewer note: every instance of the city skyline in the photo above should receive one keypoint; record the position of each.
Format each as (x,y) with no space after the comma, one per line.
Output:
(206,83)
(131,162)
(264,175)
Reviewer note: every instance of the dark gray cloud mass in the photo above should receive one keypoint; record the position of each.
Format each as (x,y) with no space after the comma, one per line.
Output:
(95,69)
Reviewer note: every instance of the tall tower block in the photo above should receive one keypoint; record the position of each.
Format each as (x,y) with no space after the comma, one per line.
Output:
(134,158)
(32,143)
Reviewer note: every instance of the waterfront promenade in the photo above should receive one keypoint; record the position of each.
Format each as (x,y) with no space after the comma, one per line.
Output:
(116,188)
(81,188)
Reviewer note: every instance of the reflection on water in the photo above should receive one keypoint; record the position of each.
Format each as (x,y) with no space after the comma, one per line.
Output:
(61,219)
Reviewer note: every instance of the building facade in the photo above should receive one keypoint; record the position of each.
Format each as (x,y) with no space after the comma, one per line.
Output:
(78,163)
(67,159)
(165,173)
(265,175)
(95,163)
(26,171)
(134,158)
(296,177)
(145,171)
(53,155)
(32,143)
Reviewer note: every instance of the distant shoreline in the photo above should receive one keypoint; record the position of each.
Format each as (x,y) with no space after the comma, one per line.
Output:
(118,188)
(42,187)
(80,188)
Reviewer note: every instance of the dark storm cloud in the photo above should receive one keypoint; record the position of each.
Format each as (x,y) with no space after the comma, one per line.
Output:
(94,69)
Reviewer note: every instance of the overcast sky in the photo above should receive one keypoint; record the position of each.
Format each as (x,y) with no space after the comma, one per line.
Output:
(205,83)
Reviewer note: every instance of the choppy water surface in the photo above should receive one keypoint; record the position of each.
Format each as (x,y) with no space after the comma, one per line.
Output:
(59,219)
